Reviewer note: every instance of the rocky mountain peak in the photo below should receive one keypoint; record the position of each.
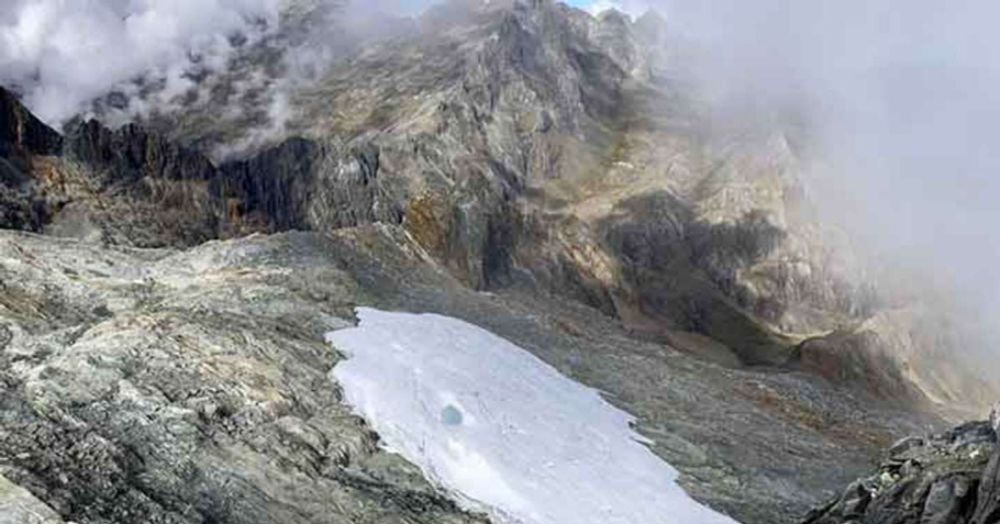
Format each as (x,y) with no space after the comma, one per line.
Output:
(131,153)
(21,133)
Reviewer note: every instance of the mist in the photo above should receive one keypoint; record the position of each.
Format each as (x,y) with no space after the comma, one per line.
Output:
(62,53)
(901,126)
(124,60)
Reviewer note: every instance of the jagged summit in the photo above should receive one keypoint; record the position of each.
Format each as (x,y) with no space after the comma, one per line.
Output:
(23,134)
(257,99)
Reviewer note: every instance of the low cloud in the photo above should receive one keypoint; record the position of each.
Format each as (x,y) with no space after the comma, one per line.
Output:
(903,120)
(62,53)
(129,60)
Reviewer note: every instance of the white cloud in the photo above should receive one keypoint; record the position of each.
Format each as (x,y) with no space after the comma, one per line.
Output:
(902,104)
(63,53)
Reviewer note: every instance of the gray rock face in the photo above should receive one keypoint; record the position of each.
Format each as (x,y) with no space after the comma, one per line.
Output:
(951,478)
(134,187)
(684,270)
(302,184)
(18,506)
(22,136)
(21,133)
(146,393)
(988,496)
(130,154)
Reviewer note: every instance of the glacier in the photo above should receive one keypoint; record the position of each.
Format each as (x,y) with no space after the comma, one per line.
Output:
(501,431)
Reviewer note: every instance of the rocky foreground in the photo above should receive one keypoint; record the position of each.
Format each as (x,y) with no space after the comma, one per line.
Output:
(190,386)
(949,478)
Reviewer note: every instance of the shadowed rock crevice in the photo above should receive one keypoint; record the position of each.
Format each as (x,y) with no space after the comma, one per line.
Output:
(682,272)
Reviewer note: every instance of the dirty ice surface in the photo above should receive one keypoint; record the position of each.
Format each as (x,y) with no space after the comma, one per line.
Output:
(501,431)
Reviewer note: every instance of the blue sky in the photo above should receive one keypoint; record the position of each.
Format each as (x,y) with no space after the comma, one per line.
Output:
(632,6)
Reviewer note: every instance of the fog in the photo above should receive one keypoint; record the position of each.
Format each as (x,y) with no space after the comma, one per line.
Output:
(899,114)
(902,117)
(62,55)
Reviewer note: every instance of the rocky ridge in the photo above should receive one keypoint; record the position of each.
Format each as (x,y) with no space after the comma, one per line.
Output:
(134,396)
(948,478)
(134,187)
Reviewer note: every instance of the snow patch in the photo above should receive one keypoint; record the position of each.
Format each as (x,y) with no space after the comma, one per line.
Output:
(500,430)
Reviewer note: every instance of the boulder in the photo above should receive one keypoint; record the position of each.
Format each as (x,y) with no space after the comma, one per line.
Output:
(949,478)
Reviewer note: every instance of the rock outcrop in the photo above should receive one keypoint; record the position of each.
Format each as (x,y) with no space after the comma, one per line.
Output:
(21,133)
(302,184)
(134,187)
(949,478)
(22,137)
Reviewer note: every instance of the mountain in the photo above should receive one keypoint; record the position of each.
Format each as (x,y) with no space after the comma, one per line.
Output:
(521,165)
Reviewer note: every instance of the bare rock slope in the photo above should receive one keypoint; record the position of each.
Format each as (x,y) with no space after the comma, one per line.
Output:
(185,386)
